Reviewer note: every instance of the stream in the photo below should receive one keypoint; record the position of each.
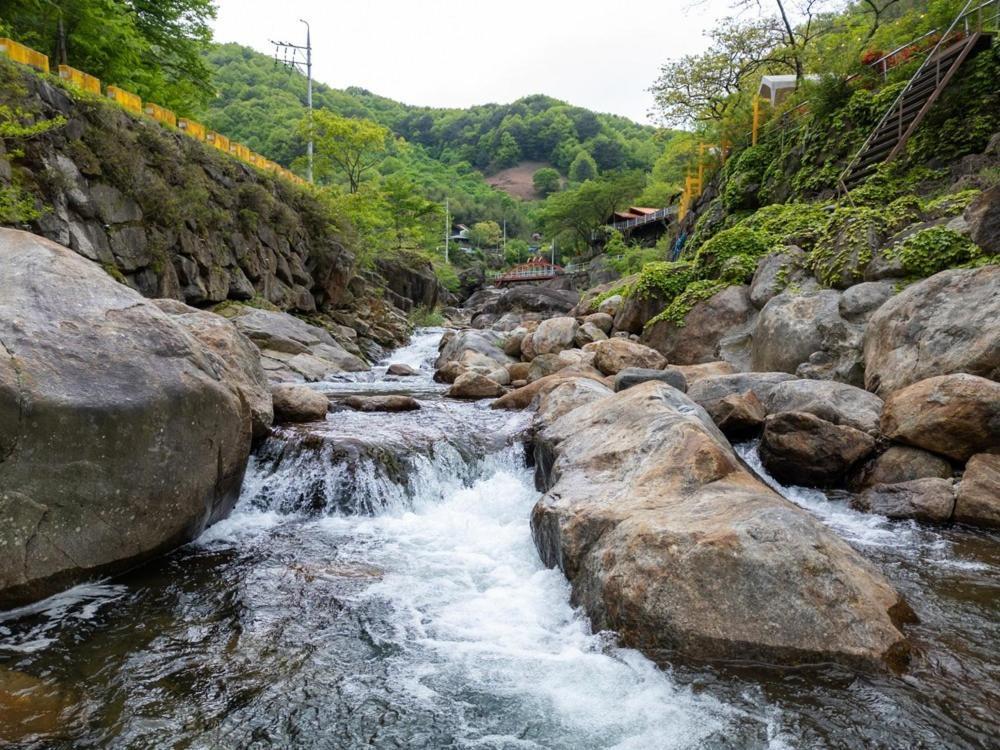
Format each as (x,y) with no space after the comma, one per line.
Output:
(377,586)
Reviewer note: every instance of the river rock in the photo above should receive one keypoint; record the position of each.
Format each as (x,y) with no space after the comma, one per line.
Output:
(696,339)
(801,448)
(121,436)
(610,305)
(544,364)
(838,403)
(705,390)
(474,385)
(951,415)
(901,463)
(694,373)
(500,375)
(615,354)
(978,500)
(298,403)
(471,347)
(945,324)
(491,304)
(776,271)
(930,500)
(236,357)
(667,540)
(602,320)
(512,344)
(448,372)
(738,415)
(588,333)
(805,334)
(632,376)
(636,310)
(859,301)
(522,397)
(983,219)
(399,369)
(518,370)
(568,394)
(390,403)
(554,335)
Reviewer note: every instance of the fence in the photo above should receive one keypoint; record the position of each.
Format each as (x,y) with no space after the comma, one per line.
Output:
(133,103)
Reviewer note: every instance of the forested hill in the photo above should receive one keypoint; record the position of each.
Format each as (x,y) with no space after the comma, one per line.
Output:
(258,103)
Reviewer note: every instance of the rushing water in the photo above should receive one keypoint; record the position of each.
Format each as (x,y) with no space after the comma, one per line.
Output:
(377,586)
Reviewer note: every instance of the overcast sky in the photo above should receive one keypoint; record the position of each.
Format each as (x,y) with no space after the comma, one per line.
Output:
(452,53)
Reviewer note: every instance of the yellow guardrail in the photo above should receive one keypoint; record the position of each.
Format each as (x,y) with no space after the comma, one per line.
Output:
(161,114)
(81,80)
(133,103)
(22,54)
(127,99)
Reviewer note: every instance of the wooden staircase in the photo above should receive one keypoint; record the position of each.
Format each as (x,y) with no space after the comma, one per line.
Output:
(911,106)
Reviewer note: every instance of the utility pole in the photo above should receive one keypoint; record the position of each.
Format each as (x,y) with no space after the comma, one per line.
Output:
(287,54)
(447,229)
(505,236)
(553,251)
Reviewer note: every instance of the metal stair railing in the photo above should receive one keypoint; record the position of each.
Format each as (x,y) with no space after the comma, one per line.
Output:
(964,15)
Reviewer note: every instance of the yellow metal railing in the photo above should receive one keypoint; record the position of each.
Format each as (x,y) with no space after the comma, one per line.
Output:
(81,80)
(126,99)
(161,114)
(19,53)
(133,103)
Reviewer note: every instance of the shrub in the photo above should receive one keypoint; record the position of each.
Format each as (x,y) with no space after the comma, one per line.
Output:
(681,305)
(663,280)
(790,223)
(934,249)
(726,245)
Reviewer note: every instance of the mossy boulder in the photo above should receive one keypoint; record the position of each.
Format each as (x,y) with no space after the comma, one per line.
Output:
(847,245)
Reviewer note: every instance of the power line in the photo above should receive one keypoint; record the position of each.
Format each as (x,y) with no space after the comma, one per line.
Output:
(290,56)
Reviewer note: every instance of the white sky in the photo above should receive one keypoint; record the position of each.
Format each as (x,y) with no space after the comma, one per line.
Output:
(450,53)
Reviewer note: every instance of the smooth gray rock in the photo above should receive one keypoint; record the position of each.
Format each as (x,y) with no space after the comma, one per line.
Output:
(901,463)
(122,437)
(858,302)
(298,403)
(696,339)
(930,500)
(776,271)
(633,376)
(838,403)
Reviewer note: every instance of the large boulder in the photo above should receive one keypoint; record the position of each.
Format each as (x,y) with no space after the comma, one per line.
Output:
(633,376)
(983,219)
(835,402)
(122,437)
(473,385)
(806,335)
(544,364)
(951,415)
(801,448)
(931,500)
(393,402)
(777,271)
(588,333)
(668,540)
(494,303)
(291,349)
(473,349)
(705,390)
(696,338)
(901,463)
(521,398)
(615,354)
(568,394)
(858,302)
(738,415)
(694,373)
(554,335)
(235,355)
(978,500)
(603,321)
(298,403)
(945,324)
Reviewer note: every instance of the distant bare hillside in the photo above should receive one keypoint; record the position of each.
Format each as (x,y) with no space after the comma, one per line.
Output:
(516,181)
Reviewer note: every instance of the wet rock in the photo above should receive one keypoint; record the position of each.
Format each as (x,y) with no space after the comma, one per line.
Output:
(738,415)
(696,338)
(31,708)
(776,271)
(390,403)
(473,385)
(468,348)
(615,354)
(694,373)
(945,324)
(900,463)
(568,394)
(801,448)
(588,333)
(602,320)
(401,370)
(838,403)
(121,436)
(666,539)
(951,415)
(298,403)
(554,335)
(929,500)
(632,376)
(978,500)
(448,372)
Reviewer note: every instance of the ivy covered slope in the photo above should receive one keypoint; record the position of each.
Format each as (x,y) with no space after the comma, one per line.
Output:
(771,220)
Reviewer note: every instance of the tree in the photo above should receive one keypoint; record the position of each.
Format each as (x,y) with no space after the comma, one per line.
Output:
(583,167)
(485,234)
(152,47)
(546,181)
(345,144)
(707,87)
(801,23)
(608,152)
(573,214)
(414,218)
(517,251)
(508,153)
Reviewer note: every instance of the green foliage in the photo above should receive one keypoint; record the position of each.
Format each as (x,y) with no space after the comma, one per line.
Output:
(718,252)
(546,181)
(744,176)
(348,147)
(692,294)
(17,206)
(663,280)
(425,317)
(17,124)
(934,249)
(789,223)
(517,251)
(951,204)
(151,47)
(583,167)
(571,215)
(446,274)
(485,234)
